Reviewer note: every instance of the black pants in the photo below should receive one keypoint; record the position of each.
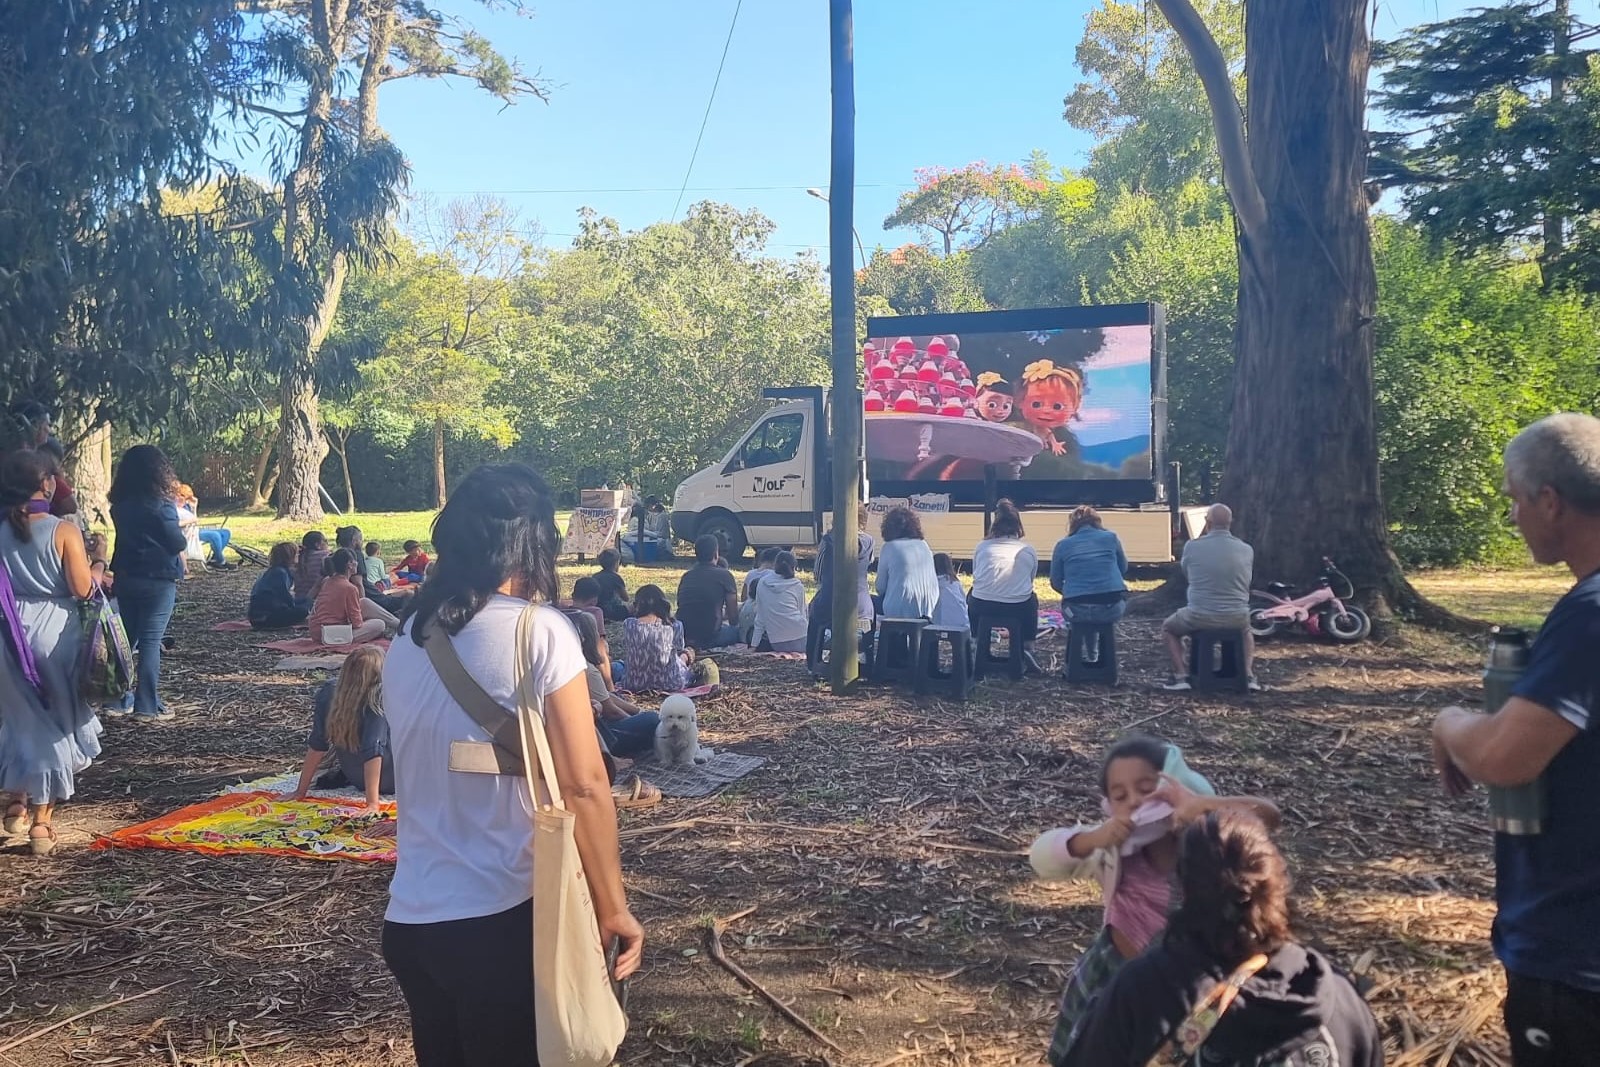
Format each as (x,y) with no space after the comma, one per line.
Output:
(1024,613)
(279,618)
(469,985)
(1551,1024)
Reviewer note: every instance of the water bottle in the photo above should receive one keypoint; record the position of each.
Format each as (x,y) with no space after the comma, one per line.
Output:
(1517,809)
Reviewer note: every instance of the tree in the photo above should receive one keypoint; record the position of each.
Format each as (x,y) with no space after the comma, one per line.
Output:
(968,204)
(1142,99)
(912,280)
(649,349)
(444,320)
(339,175)
(1302,456)
(110,307)
(1505,127)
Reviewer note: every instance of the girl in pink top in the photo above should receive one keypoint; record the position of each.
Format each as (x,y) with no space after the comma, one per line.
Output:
(340,603)
(1148,794)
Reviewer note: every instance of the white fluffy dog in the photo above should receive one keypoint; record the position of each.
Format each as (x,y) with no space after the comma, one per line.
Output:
(678,735)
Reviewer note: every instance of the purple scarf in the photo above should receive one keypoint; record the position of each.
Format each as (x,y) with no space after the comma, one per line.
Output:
(17,638)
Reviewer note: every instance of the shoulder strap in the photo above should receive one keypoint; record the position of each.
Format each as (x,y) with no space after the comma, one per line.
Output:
(487,712)
(1190,1034)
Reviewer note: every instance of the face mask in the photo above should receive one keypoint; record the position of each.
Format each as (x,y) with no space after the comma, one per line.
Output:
(1152,821)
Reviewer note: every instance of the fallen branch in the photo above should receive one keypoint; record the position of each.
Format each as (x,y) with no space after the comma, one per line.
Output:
(97,1009)
(714,950)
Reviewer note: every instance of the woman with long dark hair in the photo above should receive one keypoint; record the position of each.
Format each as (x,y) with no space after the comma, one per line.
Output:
(459,927)
(1227,983)
(47,732)
(148,564)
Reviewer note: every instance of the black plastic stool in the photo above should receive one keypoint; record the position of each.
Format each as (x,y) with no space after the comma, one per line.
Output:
(958,680)
(1216,661)
(983,627)
(893,636)
(1101,638)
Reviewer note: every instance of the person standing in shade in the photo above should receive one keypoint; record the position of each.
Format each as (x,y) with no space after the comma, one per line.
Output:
(906,579)
(708,598)
(148,564)
(1547,885)
(1218,567)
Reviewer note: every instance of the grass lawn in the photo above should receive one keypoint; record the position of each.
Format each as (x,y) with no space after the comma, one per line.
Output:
(1519,596)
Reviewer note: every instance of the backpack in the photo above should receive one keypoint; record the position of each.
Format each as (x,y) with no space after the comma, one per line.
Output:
(106,670)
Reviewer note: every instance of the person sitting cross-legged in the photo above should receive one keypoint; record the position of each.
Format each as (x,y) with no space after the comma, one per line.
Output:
(1218,567)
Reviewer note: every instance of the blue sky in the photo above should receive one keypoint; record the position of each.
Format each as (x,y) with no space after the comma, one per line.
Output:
(938,82)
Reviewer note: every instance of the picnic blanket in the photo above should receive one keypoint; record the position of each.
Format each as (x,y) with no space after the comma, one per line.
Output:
(232,626)
(697,781)
(304,645)
(259,822)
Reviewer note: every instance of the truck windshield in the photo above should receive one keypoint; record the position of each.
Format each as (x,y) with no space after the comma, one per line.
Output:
(775,441)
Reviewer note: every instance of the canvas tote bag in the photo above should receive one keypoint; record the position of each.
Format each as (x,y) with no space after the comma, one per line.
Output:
(579,1022)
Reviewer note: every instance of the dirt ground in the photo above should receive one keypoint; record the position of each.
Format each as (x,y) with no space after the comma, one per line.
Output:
(880,848)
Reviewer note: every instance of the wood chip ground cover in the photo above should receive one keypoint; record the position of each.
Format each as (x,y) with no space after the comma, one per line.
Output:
(881,850)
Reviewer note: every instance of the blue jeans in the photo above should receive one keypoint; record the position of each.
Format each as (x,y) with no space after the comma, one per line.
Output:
(217,537)
(146,605)
(631,736)
(1094,614)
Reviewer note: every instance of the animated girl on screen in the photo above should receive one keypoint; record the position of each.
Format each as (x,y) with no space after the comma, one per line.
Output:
(994,401)
(1049,399)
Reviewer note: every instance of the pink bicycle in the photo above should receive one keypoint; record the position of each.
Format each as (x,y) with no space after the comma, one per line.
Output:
(1318,613)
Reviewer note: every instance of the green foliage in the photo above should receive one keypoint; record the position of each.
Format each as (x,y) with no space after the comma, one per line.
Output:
(1500,123)
(650,348)
(912,280)
(965,206)
(109,306)
(1143,100)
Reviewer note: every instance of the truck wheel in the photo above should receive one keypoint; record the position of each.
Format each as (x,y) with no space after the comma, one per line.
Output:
(726,529)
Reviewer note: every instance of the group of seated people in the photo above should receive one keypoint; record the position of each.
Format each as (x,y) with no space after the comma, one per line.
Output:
(312,585)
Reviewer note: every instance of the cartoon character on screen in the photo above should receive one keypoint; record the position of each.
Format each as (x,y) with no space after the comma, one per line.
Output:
(1049,399)
(994,400)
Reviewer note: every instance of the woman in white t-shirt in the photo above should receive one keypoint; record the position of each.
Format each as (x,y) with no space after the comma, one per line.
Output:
(1003,569)
(458,932)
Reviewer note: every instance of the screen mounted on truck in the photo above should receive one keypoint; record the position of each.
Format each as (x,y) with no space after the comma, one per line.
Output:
(1057,405)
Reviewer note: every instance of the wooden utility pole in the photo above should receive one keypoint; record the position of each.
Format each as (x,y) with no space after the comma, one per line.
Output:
(846,390)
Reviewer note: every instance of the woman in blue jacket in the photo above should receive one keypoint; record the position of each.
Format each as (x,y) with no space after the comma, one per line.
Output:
(1087,569)
(148,565)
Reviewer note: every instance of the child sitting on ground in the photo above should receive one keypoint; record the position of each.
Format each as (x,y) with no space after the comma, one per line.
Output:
(348,721)
(272,603)
(586,598)
(308,572)
(654,657)
(339,603)
(747,592)
(951,608)
(613,590)
(1148,794)
(627,730)
(415,565)
(373,566)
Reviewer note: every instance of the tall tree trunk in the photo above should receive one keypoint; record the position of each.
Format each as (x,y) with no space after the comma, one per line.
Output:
(300,445)
(438,463)
(340,440)
(1302,459)
(259,486)
(1555,223)
(89,467)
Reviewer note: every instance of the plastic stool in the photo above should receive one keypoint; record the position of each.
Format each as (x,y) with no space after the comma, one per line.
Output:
(1216,661)
(891,637)
(983,627)
(1101,638)
(958,680)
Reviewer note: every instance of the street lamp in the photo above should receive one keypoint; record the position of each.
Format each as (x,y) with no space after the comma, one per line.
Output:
(820,195)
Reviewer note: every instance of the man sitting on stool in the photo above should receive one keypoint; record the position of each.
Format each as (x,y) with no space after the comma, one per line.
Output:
(1218,567)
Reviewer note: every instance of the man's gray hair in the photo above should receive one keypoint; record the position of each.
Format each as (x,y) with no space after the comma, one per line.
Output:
(1562,452)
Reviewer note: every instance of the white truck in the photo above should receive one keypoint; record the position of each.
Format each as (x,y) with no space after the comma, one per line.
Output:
(774,487)
(1049,407)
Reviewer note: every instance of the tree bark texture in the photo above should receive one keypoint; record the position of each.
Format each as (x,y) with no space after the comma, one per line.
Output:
(1302,467)
(89,467)
(438,463)
(260,487)
(300,445)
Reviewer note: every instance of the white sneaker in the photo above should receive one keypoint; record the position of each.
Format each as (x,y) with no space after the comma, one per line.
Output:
(1176,684)
(1251,684)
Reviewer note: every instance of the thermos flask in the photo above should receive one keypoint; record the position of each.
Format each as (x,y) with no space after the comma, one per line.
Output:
(1517,809)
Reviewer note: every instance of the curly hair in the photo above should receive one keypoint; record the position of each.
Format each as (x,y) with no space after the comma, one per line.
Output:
(1084,515)
(1235,888)
(498,526)
(143,473)
(900,524)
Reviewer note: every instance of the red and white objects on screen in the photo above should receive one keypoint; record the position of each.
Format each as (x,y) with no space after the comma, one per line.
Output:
(906,401)
(874,401)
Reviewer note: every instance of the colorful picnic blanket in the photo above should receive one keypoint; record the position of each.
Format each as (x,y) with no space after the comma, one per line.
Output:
(237,823)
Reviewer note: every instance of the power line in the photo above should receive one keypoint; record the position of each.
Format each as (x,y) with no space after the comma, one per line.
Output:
(656,189)
(706,117)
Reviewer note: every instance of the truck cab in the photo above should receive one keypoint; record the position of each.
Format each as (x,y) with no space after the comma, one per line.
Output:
(771,487)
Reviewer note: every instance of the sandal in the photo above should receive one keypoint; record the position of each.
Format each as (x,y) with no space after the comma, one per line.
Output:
(16,820)
(42,844)
(636,793)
